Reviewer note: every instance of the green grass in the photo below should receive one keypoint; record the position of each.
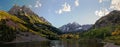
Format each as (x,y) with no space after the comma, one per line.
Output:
(113,39)
(5,15)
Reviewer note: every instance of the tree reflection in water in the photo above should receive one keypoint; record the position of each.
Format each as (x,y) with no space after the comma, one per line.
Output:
(55,43)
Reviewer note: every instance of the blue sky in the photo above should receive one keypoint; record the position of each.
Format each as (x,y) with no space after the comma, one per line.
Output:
(60,12)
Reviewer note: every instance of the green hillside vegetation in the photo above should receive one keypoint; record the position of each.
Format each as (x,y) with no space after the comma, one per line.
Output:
(106,28)
(107,34)
(115,36)
(12,24)
(100,33)
(69,36)
(5,15)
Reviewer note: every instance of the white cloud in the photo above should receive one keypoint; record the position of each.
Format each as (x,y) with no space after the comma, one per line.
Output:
(115,4)
(60,11)
(65,8)
(76,2)
(102,12)
(38,4)
(100,1)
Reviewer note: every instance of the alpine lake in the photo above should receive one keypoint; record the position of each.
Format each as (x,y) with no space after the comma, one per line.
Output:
(56,43)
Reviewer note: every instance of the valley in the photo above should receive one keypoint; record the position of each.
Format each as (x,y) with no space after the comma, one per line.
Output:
(21,24)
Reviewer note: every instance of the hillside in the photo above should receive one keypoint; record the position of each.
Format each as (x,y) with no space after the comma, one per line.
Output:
(21,24)
(113,19)
(106,28)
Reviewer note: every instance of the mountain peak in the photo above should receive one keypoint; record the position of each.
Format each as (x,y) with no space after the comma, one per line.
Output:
(21,20)
(73,23)
(25,13)
(15,9)
(74,27)
(15,5)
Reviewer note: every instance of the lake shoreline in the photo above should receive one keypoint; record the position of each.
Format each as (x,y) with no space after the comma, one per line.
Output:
(111,45)
(22,42)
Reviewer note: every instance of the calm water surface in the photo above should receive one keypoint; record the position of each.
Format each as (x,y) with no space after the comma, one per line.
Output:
(56,43)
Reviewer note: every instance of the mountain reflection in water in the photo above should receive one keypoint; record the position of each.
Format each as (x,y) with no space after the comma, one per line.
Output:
(56,43)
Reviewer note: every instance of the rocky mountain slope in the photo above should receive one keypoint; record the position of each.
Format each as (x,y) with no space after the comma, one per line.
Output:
(20,24)
(112,19)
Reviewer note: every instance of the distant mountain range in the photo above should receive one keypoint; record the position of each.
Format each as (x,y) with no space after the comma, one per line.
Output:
(75,27)
(20,24)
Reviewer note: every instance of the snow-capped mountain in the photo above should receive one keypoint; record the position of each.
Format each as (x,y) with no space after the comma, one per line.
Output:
(74,27)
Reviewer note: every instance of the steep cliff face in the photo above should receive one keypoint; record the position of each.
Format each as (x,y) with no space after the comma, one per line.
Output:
(21,24)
